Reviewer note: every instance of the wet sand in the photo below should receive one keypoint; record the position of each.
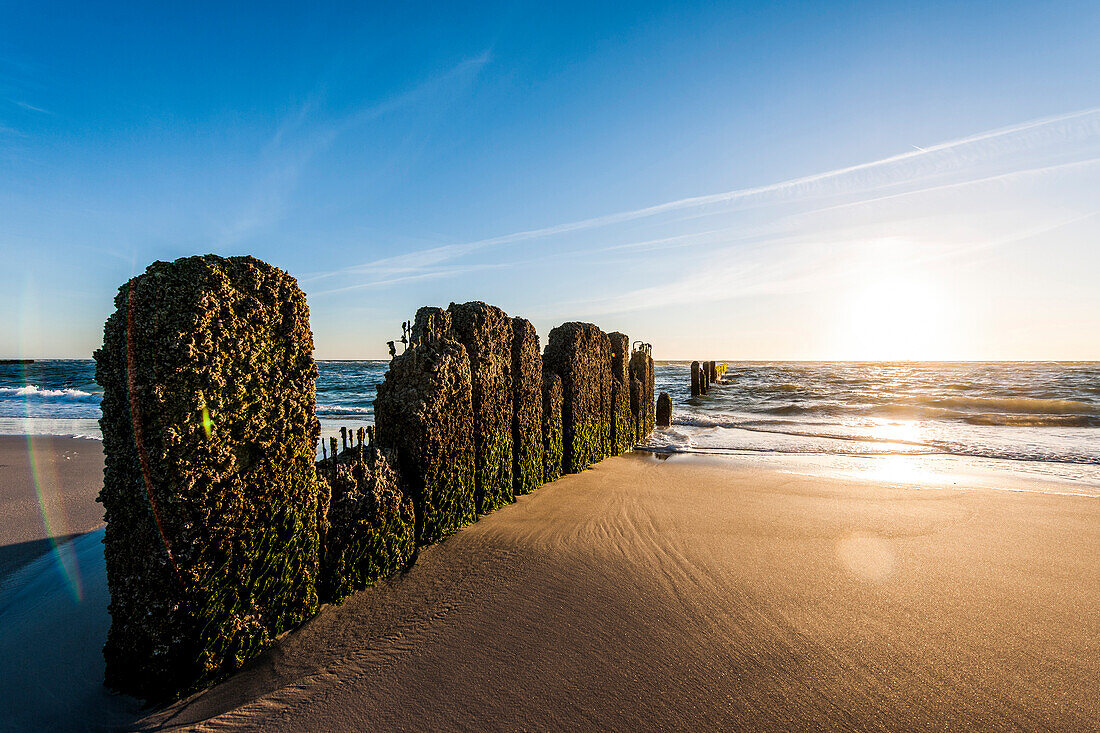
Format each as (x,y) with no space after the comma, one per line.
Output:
(707,594)
(69,475)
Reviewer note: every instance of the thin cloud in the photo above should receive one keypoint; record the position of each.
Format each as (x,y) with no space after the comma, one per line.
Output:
(417,277)
(784,266)
(904,168)
(31,107)
(296,143)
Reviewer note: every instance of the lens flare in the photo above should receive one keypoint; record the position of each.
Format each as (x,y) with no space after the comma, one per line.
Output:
(866,557)
(47,488)
(135,419)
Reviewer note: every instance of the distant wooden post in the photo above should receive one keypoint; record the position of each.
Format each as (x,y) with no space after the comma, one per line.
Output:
(664,410)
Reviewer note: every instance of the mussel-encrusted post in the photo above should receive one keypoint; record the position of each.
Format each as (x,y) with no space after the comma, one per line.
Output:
(637,397)
(371,531)
(664,410)
(622,419)
(527,447)
(210,492)
(486,332)
(552,431)
(424,423)
(641,368)
(580,353)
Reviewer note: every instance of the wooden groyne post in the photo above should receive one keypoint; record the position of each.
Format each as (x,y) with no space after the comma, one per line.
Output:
(527,407)
(210,492)
(580,354)
(424,421)
(209,413)
(641,369)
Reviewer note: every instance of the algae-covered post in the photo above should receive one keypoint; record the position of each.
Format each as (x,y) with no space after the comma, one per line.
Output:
(552,432)
(486,332)
(424,422)
(527,439)
(371,531)
(641,368)
(209,490)
(580,353)
(622,419)
(664,410)
(637,392)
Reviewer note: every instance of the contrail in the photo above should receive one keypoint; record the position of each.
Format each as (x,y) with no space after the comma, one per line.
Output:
(450,251)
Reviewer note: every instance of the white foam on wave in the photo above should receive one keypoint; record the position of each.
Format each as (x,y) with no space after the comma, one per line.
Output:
(337,410)
(33,391)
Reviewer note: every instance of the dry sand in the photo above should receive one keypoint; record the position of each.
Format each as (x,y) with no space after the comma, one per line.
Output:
(706,594)
(69,475)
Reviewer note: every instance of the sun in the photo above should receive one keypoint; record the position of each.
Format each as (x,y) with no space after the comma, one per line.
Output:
(892,310)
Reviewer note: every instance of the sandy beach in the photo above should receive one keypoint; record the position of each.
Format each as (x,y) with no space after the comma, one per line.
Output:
(684,593)
(705,594)
(58,506)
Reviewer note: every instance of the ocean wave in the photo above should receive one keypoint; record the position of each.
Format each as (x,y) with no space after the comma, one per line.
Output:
(785,429)
(1035,421)
(1018,405)
(343,410)
(34,392)
(852,446)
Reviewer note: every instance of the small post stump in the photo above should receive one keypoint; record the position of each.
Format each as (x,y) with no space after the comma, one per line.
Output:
(371,531)
(664,410)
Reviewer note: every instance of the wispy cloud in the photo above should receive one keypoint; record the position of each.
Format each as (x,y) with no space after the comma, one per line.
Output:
(300,138)
(801,264)
(922,165)
(419,276)
(30,107)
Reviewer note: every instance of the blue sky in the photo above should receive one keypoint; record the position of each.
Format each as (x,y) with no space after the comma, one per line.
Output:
(779,180)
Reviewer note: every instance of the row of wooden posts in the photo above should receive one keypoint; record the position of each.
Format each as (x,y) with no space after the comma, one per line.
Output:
(224,530)
(703,375)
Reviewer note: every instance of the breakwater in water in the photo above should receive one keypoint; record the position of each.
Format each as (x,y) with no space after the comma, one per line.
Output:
(703,375)
(223,530)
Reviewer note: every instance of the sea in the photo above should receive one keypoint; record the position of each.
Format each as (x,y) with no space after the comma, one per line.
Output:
(1038,421)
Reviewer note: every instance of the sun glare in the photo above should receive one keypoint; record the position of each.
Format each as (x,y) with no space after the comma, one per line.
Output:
(890,312)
